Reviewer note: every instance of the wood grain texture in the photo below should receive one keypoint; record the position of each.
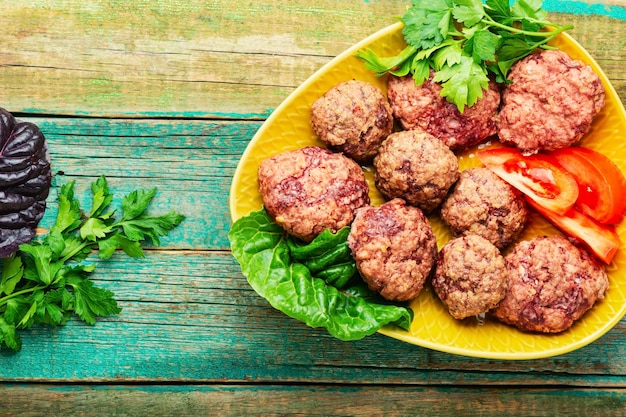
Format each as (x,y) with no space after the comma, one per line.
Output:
(168,94)
(276,400)
(226,58)
(192,317)
(191,162)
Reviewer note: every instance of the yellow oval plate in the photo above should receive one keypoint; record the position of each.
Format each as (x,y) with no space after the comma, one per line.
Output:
(289,127)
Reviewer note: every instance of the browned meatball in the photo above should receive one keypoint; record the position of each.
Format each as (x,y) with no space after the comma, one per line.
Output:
(482,203)
(552,283)
(312,189)
(470,276)
(550,103)
(423,107)
(394,247)
(352,117)
(416,167)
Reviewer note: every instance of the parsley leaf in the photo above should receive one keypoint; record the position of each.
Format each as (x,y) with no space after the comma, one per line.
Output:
(469,12)
(499,11)
(46,281)
(427,22)
(447,56)
(395,65)
(462,82)
(9,336)
(466,42)
(484,46)
(528,10)
(12,272)
(91,301)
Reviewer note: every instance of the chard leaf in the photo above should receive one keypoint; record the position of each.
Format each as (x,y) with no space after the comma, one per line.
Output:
(338,275)
(320,246)
(261,248)
(328,256)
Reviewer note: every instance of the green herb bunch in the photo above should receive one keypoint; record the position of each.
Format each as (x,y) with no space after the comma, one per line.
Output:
(46,281)
(464,42)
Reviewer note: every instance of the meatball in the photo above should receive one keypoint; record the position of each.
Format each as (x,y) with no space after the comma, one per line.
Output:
(394,248)
(552,283)
(550,103)
(470,276)
(482,203)
(417,167)
(312,189)
(353,117)
(423,107)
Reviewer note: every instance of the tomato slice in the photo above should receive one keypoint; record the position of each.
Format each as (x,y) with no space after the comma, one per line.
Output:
(537,176)
(601,239)
(602,186)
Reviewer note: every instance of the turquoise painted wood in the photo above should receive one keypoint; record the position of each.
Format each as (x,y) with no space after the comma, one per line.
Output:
(274,400)
(191,163)
(168,94)
(192,316)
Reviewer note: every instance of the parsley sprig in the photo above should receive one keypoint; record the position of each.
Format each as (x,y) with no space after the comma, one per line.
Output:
(46,281)
(464,42)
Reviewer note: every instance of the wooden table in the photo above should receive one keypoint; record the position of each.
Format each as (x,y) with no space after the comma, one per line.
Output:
(168,94)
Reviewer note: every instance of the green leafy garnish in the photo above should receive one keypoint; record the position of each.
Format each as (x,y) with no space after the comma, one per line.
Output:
(464,42)
(276,268)
(46,281)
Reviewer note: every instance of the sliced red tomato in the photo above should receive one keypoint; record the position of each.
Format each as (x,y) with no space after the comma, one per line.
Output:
(537,176)
(601,239)
(602,186)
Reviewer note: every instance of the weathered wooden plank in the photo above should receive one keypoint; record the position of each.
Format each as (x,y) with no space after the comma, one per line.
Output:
(224,58)
(191,162)
(192,317)
(278,400)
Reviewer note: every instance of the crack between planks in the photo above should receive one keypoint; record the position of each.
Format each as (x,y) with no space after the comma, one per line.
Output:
(135,117)
(319,384)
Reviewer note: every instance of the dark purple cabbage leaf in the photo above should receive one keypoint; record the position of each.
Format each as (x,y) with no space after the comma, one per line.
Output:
(25,177)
